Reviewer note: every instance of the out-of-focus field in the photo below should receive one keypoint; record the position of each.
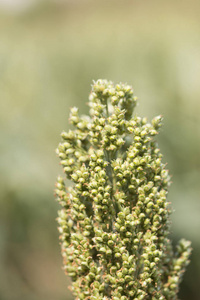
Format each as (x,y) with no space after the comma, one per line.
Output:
(48,58)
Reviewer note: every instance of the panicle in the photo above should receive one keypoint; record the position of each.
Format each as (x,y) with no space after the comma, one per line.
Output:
(114,219)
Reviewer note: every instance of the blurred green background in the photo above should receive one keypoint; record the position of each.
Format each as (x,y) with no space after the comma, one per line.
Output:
(49,54)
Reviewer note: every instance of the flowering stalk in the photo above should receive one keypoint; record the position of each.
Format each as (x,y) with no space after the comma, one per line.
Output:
(114,220)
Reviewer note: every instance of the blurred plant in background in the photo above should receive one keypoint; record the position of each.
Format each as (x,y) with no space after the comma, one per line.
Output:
(49,54)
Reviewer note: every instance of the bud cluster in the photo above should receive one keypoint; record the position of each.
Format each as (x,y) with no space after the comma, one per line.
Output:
(114,220)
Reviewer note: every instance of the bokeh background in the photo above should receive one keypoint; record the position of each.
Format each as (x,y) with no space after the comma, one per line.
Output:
(50,51)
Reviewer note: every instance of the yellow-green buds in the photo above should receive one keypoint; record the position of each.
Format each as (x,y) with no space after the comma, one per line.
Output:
(114,220)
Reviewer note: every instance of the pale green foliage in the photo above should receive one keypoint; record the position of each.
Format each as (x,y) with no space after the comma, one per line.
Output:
(114,221)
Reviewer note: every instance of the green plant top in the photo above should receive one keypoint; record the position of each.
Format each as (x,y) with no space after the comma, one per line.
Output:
(114,220)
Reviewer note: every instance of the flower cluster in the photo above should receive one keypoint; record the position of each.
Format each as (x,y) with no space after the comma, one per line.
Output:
(114,220)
